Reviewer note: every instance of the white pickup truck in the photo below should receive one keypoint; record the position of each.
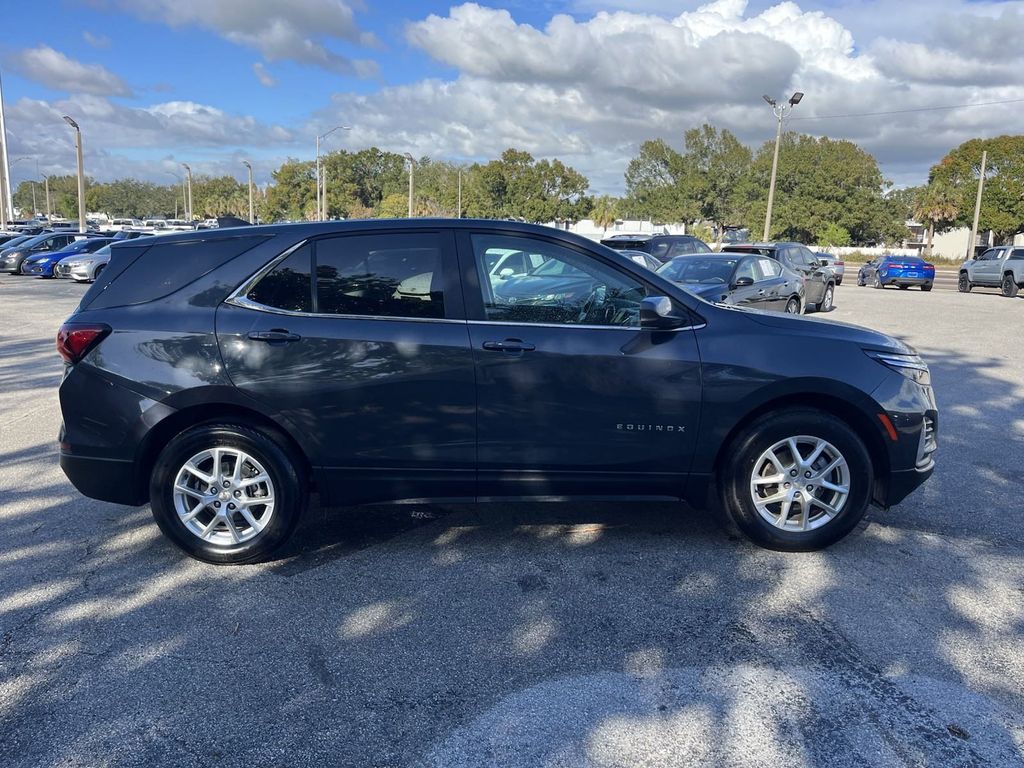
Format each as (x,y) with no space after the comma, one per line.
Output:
(1001,267)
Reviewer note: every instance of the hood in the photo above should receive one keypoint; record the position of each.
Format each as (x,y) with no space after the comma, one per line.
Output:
(823,329)
(707,292)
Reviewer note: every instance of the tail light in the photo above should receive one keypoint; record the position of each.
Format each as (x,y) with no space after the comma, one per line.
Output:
(74,340)
(889,265)
(840,263)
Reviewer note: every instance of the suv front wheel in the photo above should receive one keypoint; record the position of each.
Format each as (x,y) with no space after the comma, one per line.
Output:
(226,493)
(797,480)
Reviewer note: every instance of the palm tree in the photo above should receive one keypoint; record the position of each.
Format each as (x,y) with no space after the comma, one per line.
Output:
(604,212)
(937,204)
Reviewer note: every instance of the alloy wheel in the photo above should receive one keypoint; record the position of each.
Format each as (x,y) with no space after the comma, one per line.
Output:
(800,483)
(826,301)
(224,496)
(792,307)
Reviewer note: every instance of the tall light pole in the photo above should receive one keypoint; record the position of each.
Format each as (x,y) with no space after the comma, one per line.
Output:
(977,207)
(252,217)
(188,202)
(780,111)
(412,166)
(6,203)
(81,173)
(321,189)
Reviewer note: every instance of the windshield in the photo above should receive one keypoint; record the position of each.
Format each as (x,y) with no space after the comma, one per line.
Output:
(692,270)
(557,268)
(14,243)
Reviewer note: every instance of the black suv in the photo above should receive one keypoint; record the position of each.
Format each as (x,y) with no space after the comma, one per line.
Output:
(818,275)
(222,375)
(662,247)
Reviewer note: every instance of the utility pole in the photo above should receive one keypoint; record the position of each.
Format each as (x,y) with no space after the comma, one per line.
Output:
(780,112)
(412,166)
(81,173)
(977,207)
(188,201)
(252,218)
(321,184)
(6,202)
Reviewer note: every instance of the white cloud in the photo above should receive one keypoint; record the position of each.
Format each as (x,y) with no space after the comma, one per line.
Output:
(53,69)
(266,79)
(292,31)
(96,41)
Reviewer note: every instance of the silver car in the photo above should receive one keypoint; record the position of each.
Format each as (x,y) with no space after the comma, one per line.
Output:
(83,268)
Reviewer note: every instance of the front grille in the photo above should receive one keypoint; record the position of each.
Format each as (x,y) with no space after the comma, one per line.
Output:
(928,442)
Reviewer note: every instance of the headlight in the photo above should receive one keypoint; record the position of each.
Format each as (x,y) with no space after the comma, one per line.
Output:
(911,366)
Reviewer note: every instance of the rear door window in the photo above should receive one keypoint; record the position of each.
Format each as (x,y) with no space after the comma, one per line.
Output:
(389,275)
(289,285)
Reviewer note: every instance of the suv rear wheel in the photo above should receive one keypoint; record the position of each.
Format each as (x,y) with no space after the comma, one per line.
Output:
(1009,286)
(226,493)
(797,480)
(963,284)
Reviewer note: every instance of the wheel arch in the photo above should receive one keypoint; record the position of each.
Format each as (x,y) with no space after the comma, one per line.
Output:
(869,430)
(202,413)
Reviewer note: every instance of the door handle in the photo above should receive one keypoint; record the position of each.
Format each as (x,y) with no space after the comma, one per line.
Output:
(761,292)
(509,345)
(274,336)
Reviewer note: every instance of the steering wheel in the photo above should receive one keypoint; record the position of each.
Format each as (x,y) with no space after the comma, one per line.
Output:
(597,296)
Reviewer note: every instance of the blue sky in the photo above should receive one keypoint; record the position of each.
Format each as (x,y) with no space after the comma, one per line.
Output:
(158,82)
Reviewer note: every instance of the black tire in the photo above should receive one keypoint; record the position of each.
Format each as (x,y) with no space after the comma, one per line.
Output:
(827,303)
(289,489)
(904,287)
(839,281)
(98,272)
(963,284)
(1009,286)
(744,452)
(793,306)
(876,282)
(860,281)
(926,287)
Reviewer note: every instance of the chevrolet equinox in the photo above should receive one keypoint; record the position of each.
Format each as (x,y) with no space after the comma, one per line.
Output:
(224,375)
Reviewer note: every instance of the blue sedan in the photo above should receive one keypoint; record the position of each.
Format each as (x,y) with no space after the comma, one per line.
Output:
(42,264)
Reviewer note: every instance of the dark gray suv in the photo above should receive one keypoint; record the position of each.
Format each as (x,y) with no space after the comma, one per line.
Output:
(223,375)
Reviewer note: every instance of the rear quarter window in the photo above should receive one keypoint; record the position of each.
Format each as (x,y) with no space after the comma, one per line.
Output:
(151,269)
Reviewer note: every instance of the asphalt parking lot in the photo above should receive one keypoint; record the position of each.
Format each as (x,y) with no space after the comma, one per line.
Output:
(526,635)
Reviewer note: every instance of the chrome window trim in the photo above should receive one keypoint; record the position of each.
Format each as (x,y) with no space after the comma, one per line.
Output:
(239,297)
(247,303)
(633,328)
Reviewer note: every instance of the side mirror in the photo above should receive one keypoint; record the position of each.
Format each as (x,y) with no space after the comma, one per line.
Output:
(656,313)
(743,282)
(506,273)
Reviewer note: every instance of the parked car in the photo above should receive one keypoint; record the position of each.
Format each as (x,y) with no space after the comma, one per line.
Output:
(42,265)
(902,271)
(752,281)
(838,265)
(819,280)
(14,242)
(642,258)
(123,224)
(11,258)
(84,267)
(130,234)
(661,247)
(1002,267)
(236,378)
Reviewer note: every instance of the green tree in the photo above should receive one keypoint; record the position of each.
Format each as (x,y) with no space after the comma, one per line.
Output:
(1002,204)
(394,206)
(938,205)
(655,186)
(714,164)
(820,181)
(519,187)
(833,235)
(605,211)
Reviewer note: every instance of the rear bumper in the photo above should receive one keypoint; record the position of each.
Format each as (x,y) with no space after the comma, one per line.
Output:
(110,480)
(900,280)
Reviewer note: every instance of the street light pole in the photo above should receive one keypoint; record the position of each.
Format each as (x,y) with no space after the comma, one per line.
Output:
(412,166)
(81,173)
(49,212)
(780,112)
(321,186)
(252,218)
(6,203)
(188,202)
(977,207)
